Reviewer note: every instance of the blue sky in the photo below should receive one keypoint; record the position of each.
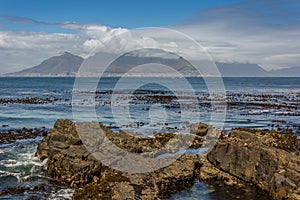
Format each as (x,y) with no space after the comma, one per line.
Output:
(113,13)
(247,31)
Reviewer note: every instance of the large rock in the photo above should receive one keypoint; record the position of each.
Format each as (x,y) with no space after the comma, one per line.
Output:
(155,185)
(232,186)
(266,159)
(69,162)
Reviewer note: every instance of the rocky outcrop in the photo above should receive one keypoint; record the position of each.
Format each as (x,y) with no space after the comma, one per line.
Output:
(28,100)
(69,162)
(264,158)
(10,136)
(228,184)
(155,185)
(245,160)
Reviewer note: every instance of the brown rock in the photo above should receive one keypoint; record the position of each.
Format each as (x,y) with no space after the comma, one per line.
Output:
(251,157)
(200,129)
(155,185)
(70,163)
(123,191)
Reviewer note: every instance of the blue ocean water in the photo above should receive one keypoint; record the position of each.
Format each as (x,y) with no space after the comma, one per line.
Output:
(143,105)
(32,115)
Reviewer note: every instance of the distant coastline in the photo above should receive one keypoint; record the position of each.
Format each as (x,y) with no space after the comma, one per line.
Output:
(68,65)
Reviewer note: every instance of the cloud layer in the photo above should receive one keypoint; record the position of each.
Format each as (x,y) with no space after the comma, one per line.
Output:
(266,33)
(263,32)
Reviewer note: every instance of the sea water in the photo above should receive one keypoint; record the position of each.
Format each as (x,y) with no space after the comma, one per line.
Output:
(151,107)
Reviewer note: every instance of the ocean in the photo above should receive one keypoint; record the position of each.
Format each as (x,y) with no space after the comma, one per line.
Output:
(143,105)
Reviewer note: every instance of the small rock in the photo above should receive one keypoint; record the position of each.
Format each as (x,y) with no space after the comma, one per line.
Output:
(200,129)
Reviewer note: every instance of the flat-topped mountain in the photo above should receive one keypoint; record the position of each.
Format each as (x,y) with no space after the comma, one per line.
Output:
(286,72)
(68,64)
(241,70)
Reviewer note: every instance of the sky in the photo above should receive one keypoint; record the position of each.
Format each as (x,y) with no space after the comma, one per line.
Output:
(252,31)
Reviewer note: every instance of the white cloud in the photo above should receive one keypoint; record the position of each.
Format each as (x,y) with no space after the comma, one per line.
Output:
(262,32)
(257,32)
(21,49)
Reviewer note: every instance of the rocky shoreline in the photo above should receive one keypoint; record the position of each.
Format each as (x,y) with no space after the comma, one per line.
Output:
(28,100)
(265,161)
(10,136)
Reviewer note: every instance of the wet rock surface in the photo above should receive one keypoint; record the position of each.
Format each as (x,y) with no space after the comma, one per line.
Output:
(228,185)
(266,159)
(200,129)
(10,136)
(28,100)
(257,163)
(69,162)
(20,191)
(155,185)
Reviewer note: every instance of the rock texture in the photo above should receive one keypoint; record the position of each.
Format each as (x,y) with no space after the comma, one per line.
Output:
(264,158)
(200,129)
(248,161)
(10,136)
(69,162)
(156,185)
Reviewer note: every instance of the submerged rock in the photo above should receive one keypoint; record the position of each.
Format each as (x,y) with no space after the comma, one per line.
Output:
(11,136)
(251,156)
(22,190)
(28,100)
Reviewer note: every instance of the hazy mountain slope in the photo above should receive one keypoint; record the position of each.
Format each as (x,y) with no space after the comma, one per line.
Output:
(286,72)
(65,64)
(241,70)
(68,64)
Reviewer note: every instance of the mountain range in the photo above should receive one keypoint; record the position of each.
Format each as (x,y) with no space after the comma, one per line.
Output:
(68,64)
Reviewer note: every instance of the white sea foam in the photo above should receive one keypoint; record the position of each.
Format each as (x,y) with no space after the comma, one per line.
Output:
(23,162)
(8,173)
(62,194)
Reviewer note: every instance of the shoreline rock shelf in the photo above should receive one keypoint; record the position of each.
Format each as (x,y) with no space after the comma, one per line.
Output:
(10,136)
(266,159)
(28,100)
(260,161)
(70,163)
